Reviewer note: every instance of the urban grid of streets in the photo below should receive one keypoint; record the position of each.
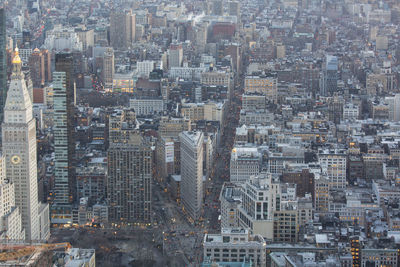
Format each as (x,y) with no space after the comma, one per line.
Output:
(178,236)
(172,239)
(328,107)
(171,227)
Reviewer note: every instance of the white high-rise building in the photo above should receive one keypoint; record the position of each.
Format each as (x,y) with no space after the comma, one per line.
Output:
(19,149)
(192,172)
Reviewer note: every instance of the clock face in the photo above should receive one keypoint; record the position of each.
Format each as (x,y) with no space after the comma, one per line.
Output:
(15,159)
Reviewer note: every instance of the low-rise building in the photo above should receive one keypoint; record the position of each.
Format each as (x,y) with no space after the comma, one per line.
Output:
(235,244)
(379,257)
(253,102)
(350,112)
(265,85)
(147,106)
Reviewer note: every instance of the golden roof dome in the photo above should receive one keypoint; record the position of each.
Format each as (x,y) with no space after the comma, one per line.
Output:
(16,59)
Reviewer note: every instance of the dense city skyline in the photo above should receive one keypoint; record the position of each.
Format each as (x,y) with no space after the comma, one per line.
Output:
(200,133)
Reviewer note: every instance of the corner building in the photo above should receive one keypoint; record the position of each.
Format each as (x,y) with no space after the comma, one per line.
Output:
(192,172)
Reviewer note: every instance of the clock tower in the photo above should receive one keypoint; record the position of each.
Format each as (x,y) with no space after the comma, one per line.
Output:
(19,150)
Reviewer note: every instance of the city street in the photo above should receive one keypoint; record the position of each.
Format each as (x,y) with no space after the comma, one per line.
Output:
(181,235)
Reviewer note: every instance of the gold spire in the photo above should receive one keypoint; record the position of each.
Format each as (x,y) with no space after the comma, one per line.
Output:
(16,66)
(16,59)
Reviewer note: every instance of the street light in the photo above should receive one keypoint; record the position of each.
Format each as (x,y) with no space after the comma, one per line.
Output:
(163,242)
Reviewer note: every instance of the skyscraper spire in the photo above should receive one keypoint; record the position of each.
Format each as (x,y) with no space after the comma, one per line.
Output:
(16,65)
(16,59)
(18,100)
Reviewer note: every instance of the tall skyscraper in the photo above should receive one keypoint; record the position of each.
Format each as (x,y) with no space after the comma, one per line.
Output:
(129,179)
(122,28)
(192,172)
(64,145)
(19,149)
(3,62)
(63,183)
